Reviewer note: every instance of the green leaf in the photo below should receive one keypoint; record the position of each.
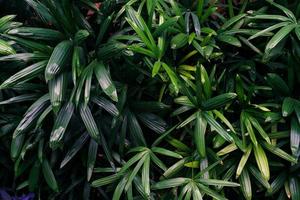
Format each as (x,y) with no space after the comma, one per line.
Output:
(31,45)
(89,122)
(297,111)
(204,167)
(219,129)
(16,146)
(294,188)
(31,115)
(211,192)
(137,149)
(175,168)
(88,83)
(107,180)
(141,50)
(20,98)
(170,183)
(119,189)
(186,192)
(42,11)
(178,144)
(230,40)
(165,152)
(218,101)
(196,23)
(277,183)
(82,79)
(243,161)
(131,161)
(283,9)
(278,84)
(279,152)
(58,59)
(103,28)
(184,100)
(193,164)
(77,63)
(200,6)
(5,19)
(246,184)
(250,131)
(256,173)
(197,46)
(154,122)
(61,124)
(80,36)
(251,46)
(174,79)
(295,137)
(156,68)
(208,12)
(24,75)
(164,26)
(5,48)
(269,29)
(270,17)
(135,130)
(91,158)
(262,161)
(229,148)
(179,41)
(140,27)
(189,94)
(199,135)
(150,106)
(207,88)
(230,8)
(57,87)
(279,134)
(25,57)
(78,144)
(223,119)
(105,81)
(288,106)
(146,175)
(218,182)
(37,33)
(218,141)
(90,4)
(34,176)
(279,36)
(106,105)
(232,21)
(150,6)
(157,161)
(297,31)
(196,192)
(260,130)
(187,120)
(163,135)
(49,176)
(135,171)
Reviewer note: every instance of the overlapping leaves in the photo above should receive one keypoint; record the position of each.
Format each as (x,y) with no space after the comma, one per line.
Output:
(174,99)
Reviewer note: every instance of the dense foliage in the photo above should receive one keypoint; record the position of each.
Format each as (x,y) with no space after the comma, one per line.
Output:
(150,99)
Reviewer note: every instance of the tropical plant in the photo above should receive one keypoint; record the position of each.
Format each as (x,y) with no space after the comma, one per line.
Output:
(150,99)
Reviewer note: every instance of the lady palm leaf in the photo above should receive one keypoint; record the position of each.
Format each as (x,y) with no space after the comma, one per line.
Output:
(150,99)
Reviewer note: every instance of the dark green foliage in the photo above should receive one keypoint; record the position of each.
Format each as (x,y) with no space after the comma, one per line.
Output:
(150,99)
